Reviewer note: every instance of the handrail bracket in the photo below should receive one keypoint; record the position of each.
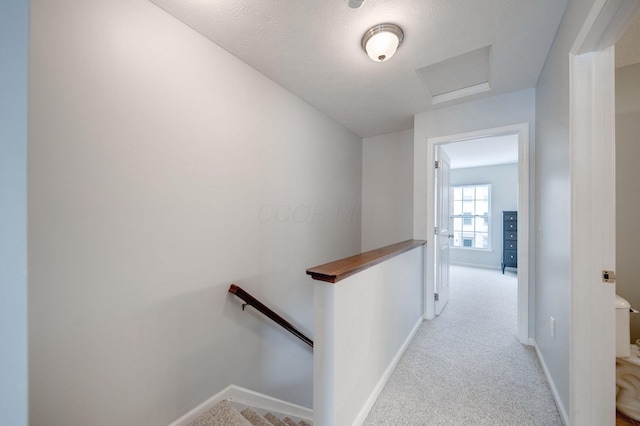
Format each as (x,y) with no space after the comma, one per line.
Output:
(252,301)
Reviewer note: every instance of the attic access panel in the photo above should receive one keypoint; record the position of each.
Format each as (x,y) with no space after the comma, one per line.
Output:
(456,77)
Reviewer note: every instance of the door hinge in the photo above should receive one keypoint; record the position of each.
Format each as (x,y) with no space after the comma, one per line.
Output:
(437,164)
(436,297)
(608,276)
(435,230)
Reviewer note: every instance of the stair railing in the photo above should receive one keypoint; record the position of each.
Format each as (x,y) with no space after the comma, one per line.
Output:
(260,307)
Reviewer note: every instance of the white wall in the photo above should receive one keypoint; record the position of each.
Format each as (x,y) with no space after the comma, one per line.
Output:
(387,189)
(363,326)
(553,201)
(14,36)
(628,188)
(161,170)
(504,196)
(497,111)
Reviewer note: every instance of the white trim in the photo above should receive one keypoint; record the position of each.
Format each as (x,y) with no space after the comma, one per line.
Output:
(523,233)
(248,398)
(522,130)
(364,411)
(475,265)
(195,412)
(592,174)
(462,216)
(424,280)
(463,248)
(460,93)
(606,23)
(592,309)
(552,385)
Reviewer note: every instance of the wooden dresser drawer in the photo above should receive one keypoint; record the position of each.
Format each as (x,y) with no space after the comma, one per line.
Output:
(511,235)
(510,216)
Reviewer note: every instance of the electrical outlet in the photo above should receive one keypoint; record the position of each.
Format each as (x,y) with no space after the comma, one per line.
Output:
(553,327)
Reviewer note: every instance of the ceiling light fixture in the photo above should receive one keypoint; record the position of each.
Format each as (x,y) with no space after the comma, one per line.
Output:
(382,41)
(355,4)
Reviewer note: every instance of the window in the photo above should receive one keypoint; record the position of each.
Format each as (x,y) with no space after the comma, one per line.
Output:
(470,216)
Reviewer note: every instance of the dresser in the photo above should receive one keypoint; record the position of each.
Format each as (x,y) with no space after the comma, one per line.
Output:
(509,239)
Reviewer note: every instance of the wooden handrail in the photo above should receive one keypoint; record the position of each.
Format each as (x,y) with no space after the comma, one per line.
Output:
(333,272)
(252,301)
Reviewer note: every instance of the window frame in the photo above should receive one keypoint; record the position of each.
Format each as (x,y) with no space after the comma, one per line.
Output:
(470,218)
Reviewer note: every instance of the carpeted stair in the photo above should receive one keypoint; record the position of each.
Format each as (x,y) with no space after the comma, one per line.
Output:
(224,414)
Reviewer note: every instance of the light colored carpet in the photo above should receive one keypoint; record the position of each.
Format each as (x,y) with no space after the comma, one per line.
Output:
(467,367)
(255,418)
(222,414)
(274,420)
(225,414)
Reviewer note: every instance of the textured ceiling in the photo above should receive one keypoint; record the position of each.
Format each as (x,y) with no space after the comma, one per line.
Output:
(488,151)
(312,48)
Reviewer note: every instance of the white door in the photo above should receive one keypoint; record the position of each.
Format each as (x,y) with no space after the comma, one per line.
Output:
(443,232)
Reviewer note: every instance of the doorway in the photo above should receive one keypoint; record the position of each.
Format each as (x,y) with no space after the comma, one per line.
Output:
(592,152)
(521,131)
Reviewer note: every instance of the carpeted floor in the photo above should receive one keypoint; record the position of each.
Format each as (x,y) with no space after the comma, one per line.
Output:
(467,367)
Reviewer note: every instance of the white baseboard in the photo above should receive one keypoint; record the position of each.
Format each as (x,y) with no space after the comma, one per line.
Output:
(364,411)
(194,413)
(248,398)
(554,391)
(476,265)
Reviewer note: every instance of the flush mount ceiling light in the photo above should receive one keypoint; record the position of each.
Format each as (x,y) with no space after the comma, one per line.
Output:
(382,41)
(355,4)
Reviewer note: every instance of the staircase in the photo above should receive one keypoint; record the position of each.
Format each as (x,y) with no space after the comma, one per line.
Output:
(225,414)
